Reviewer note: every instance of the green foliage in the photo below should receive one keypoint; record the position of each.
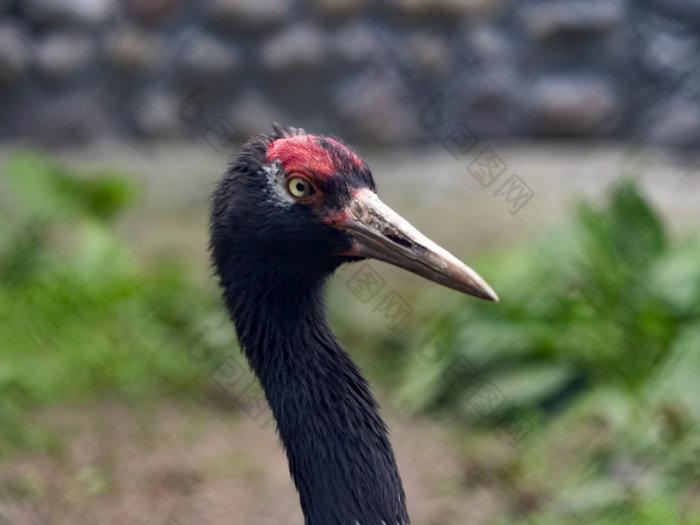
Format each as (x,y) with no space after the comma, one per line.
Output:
(607,301)
(658,512)
(80,317)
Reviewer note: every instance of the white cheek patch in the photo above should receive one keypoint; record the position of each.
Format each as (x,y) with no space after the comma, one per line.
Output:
(275,188)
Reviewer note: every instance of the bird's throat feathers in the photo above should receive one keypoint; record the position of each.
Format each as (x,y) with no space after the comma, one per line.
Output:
(338,448)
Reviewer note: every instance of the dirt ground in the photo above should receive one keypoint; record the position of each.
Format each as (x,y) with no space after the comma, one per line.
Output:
(175,464)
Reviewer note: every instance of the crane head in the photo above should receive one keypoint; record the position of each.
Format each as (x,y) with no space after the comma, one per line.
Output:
(310,202)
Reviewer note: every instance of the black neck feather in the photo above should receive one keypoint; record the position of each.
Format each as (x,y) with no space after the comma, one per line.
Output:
(339,453)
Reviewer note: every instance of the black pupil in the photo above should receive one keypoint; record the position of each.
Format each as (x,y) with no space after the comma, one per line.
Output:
(300,187)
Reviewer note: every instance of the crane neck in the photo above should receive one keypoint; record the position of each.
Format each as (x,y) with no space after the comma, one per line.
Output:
(337,445)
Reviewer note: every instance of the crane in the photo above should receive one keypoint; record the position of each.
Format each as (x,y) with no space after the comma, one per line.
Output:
(291,208)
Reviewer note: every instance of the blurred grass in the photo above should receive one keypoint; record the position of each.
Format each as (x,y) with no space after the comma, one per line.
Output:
(598,330)
(81,317)
(609,300)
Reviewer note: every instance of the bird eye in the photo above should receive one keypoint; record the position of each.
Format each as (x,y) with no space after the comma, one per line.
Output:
(299,188)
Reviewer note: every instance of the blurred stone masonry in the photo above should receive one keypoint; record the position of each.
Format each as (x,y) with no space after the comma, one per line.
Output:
(72,71)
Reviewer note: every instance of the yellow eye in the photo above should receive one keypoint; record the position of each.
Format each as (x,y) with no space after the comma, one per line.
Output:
(299,188)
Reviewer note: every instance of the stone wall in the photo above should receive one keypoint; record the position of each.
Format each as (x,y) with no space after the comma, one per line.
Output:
(392,72)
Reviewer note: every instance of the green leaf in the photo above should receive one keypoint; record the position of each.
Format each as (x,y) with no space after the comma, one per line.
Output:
(528,384)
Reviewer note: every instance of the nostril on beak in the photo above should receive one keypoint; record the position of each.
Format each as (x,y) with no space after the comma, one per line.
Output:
(400,241)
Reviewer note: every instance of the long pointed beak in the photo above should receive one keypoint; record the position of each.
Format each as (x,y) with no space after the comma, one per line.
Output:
(381,233)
